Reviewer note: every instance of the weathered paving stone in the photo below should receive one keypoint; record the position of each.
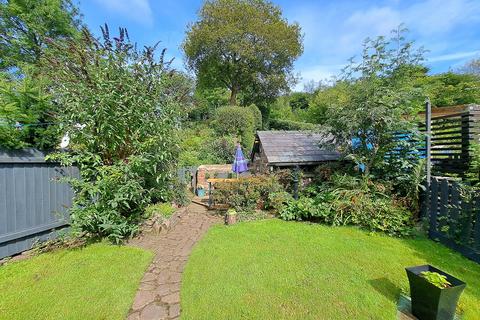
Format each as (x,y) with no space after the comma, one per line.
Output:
(149,277)
(154,311)
(172,298)
(159,292)
(174,310)
(142,299)
(147,286)
(134,316)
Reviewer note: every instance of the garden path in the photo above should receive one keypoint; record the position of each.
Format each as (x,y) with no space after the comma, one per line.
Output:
(158,296)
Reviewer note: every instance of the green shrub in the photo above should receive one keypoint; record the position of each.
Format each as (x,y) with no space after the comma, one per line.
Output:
(277,201)
(347,200)
(282,124)
(235,121)
(163,209)
(248,194)
(110,204)
(122,109)
(201,145)
(257,115)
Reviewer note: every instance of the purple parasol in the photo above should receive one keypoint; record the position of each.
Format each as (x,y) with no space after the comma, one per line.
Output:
(239,164)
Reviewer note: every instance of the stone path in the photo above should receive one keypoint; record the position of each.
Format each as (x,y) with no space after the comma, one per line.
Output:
(158,296)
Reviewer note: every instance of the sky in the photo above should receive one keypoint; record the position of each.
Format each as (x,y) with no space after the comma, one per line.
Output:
(333,30)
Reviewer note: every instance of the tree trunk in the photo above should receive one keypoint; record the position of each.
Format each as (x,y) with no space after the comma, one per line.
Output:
(233,96)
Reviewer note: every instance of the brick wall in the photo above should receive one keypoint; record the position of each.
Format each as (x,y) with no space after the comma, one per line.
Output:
(205,172)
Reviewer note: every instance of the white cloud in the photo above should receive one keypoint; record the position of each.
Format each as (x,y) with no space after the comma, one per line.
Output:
(334,31)
(318,73)
(439,16)
(454,56)
(136,10)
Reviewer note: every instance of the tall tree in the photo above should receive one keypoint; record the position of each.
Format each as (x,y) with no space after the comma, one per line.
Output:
(381,95)
(245,46)
(25,26)
(471,67)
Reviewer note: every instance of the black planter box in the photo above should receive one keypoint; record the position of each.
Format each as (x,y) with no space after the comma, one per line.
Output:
(430,302)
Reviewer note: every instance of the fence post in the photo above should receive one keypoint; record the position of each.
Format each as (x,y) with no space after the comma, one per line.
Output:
(428,142)
(210,200)
(295,183)
(433,207)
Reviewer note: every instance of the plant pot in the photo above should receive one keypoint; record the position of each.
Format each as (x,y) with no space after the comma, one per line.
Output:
(430,302)
(201,192)
(230,219)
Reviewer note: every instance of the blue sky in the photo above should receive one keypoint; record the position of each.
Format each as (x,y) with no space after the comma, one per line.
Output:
(333,30)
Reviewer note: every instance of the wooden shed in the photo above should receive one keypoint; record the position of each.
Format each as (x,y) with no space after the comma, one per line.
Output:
(289,149)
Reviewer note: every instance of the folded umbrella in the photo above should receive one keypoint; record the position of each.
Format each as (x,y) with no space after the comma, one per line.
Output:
(239,164)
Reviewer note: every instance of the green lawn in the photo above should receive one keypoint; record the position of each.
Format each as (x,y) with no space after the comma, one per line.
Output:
(288,270)
(95,282)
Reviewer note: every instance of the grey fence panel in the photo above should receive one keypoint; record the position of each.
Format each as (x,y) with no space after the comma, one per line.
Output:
(454,218)
(33,202)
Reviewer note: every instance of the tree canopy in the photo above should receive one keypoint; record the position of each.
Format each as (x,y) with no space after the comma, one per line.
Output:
(245,46)
(26,26)
(380,97)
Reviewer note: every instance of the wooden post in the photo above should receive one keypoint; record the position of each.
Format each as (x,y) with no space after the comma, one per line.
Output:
(210,200)
(295,182)
(428,142)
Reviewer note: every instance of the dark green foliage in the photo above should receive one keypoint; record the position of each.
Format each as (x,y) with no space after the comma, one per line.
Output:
(450,89)
(26,27)
(282,124)
(121,110)
(248,194)
(347,200)
(207,101)
(235,121)
(200,145)
(23,104)
(257,116)
(299,100)
(379,102)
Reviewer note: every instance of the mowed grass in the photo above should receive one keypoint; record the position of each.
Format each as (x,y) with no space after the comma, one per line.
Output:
(289,270)
(95,282)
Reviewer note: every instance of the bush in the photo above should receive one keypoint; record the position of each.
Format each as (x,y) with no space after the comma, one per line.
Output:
(281,124)
(347,200)
(200,145)
(111,205)
(235,121)
(277,201)
(257,116)
(163,209)
(121,108)
(248,194)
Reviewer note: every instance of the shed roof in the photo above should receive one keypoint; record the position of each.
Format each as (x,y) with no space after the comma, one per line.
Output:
(295,147)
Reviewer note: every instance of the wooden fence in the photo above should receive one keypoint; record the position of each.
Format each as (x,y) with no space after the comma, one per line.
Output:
(33,204)
(454,218)
(450,139)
